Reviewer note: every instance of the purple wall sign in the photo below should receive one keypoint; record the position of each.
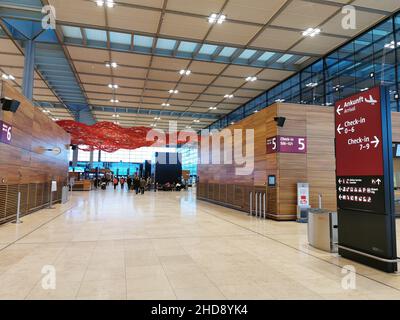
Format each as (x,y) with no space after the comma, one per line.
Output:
(287,144)
(6,132)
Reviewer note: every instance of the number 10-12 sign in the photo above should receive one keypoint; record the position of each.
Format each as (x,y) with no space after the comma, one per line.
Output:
(6,132)
(287,144)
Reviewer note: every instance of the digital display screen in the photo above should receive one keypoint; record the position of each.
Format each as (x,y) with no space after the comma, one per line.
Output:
(271,181)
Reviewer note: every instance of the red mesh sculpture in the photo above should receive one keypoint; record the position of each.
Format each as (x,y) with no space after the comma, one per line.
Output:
(110,137)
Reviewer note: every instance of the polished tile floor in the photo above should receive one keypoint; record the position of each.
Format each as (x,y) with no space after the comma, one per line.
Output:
(117,245)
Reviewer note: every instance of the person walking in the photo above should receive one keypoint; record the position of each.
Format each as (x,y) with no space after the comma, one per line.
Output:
(148,184)
(129,183)
(142,185)
(115,182)
(136,184)
(122,182)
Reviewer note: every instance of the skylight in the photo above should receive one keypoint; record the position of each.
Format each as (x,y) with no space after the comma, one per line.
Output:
(121,38)
(166,44)
(247,54)
(208,49)
(284,58)
(227,52)
(143,41)
(72,32)
(187,46)
(266,56)
(96,35)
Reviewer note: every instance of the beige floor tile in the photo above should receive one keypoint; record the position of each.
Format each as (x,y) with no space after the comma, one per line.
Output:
(65,290)
(151,295)
(148,283)
(168,246)
(203,293)
(102,290)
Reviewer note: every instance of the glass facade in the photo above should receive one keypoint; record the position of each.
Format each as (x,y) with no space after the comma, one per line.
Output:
(368,60)
(127,161)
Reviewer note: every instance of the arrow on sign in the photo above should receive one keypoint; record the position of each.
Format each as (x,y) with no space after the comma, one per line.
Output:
(339,110)
(378,181)
(375,142)
(339,129)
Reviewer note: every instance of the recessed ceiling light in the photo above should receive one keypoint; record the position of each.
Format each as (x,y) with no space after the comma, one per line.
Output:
(311,32)
(196,121)
(364,89)
(228,96)
(251,79)
(114,100)
(153,125)
(157,118)
(8,76)
(165,104)
(212,108)
(188,127)
(391,45)
(45,111)
(115,115)
(108,3)
(217,18)
(232,123)
(280,100)
(372,74)
(113,86)
(312,84)
(173,91)
(111,64)
(185,72)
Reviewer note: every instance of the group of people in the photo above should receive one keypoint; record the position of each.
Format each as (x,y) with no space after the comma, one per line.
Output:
(139,184)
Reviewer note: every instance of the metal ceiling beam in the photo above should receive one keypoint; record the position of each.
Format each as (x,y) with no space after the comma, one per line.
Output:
(132,111)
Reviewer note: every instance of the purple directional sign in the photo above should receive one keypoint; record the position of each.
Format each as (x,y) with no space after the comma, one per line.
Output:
(287,144)
(6,132)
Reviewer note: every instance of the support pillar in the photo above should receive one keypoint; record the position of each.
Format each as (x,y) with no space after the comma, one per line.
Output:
(91,160)
(29,69)
(75,157)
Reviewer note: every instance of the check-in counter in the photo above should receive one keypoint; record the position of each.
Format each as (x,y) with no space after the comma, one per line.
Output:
(82,185)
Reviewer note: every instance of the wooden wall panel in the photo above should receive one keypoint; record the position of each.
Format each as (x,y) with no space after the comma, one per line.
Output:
(23,165)
(317,167)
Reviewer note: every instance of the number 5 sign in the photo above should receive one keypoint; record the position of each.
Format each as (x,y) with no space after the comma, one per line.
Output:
(287,144)
(6,132)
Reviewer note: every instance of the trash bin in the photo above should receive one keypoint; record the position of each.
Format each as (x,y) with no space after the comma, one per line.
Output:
(322,229)
(64,195)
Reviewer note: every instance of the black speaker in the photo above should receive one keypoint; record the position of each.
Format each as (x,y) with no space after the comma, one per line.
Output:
(280,121)
(9,104)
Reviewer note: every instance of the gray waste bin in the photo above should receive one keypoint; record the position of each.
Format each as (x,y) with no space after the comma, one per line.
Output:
(322,229)
(64,195)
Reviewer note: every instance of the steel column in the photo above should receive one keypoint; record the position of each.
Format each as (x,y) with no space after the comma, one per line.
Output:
(29,69)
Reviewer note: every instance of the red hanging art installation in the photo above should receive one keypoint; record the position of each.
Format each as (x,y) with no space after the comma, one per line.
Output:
(109,137)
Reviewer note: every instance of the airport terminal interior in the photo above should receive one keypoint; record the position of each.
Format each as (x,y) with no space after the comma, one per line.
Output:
(199,150)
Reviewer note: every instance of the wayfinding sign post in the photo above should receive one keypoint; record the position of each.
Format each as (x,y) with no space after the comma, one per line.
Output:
(364,179)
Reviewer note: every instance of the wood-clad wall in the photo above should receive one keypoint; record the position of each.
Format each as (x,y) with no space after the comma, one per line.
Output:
(317,166)
(219,184)
(23,164)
